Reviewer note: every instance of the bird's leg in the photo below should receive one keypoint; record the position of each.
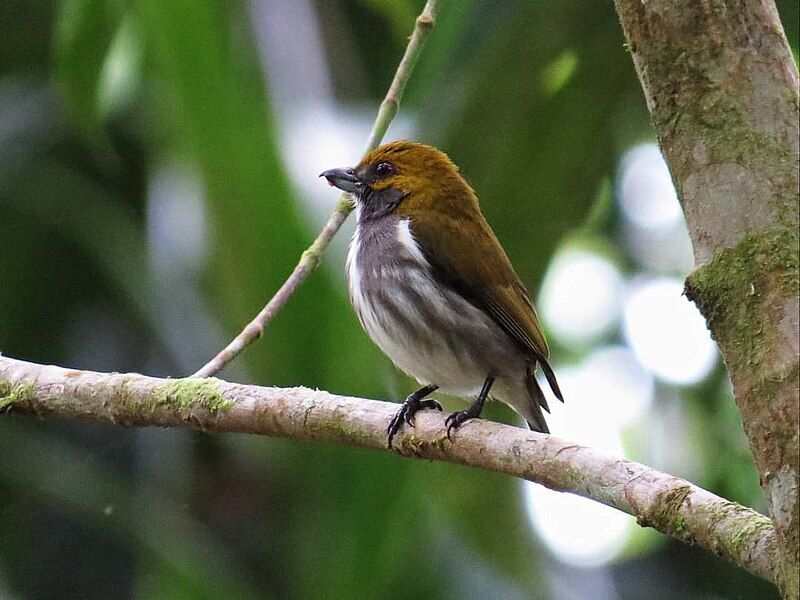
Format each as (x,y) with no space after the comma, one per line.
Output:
(458,418)
(412,404)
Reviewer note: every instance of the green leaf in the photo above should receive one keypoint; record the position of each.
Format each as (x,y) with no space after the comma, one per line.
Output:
(84,31)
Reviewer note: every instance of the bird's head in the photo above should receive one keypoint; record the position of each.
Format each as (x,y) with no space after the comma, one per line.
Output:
(405,178)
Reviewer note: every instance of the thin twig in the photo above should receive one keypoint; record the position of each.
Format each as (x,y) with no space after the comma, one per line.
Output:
(312,257)
(667,503)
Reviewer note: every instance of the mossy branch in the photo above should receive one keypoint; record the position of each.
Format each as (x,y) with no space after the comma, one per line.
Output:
(669,504)
(313,255)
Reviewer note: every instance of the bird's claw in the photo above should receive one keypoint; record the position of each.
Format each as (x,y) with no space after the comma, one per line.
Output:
(457,419)
(396,423)
(431,403)
(406,413)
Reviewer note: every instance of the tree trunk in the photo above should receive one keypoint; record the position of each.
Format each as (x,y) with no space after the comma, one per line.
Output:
(722,89)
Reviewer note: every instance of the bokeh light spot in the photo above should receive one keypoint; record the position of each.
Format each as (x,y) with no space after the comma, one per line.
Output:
(580,296)
(576,530)
(668,333)
(646,193)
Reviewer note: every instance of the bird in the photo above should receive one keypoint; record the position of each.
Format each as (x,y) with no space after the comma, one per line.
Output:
(436,292)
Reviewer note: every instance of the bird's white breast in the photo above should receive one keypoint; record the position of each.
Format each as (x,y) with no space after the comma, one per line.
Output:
(428,330)
(363,273)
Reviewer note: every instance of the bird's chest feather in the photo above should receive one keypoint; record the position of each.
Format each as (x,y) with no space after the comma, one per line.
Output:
(387,276)
(426,328)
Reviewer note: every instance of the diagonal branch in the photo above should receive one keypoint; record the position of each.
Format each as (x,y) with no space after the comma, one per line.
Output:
(313,255)
(669,504)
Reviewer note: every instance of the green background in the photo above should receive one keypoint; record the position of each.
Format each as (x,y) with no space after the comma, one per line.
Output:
(536,101)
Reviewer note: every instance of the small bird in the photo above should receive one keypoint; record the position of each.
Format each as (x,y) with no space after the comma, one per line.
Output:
(434,289)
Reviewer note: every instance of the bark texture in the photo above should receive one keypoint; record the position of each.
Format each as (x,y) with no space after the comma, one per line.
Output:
(669,504)
(722,89)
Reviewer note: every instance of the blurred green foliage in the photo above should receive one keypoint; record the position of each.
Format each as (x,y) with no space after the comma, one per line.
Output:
(535,101)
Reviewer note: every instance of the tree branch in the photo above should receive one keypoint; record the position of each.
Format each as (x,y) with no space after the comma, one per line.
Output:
(722,89)
(313,255)
(671,505)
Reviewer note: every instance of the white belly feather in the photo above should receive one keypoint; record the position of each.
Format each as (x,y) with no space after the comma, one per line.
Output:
(398,300)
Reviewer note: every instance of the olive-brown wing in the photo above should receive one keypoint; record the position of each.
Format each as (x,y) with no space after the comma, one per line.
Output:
(466,254)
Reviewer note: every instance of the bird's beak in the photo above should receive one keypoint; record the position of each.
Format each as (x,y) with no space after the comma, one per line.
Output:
(344,179)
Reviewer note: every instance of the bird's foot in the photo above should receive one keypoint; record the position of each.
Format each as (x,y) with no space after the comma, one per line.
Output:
(458,418)
(406,413)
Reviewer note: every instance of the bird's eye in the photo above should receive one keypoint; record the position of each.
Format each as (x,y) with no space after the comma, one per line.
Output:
(384,169)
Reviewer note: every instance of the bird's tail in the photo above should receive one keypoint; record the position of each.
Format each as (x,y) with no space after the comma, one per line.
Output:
(535,416)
